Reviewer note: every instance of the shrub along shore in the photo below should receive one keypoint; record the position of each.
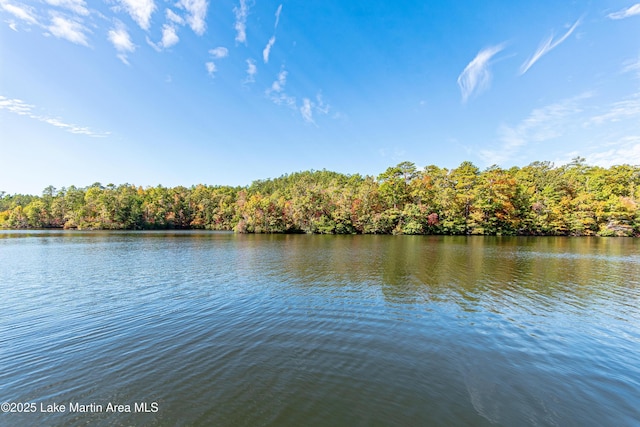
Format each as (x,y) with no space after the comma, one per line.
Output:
(538,199)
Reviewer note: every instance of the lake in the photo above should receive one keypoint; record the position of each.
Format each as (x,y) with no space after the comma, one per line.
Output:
(220,329)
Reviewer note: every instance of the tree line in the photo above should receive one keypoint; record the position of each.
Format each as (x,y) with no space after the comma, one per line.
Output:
(538,199)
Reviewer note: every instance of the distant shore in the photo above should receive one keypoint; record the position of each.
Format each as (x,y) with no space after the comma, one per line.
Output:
(536,200)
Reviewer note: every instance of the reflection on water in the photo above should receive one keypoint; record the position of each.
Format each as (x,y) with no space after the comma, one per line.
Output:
(224,329)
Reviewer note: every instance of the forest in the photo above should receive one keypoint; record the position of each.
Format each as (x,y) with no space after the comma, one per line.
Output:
(539,199)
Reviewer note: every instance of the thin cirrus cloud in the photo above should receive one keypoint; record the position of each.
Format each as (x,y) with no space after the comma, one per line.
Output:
(543,124)
(174,17)
(17,106)
(240,25)
(309,107)
(625,150)
(68,29)
(196,13)
(276,92)
(476,76)
(278,12)
(545,47)
(140,11)
(252,70)
(119,38)
(625,13)
(24,13)
(211,68)
(76,6)
(267,49)
(307,111)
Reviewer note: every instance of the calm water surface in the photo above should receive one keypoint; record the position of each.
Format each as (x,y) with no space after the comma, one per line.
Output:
(214,329)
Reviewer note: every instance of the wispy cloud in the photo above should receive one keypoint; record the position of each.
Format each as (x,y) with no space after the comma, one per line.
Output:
(267,49)
(545,47)
(321,106)
(625,13)
(140,11)
(76,6)
(240,25)
(309,108)
(632,66)
(252,70)
(542,124)
(169,37)
(174,17)
(68,29)
(17,106)
(211,68)
(626,109)
(306,111)
(119,37)
(625,150)
(476,76)
(22,12)
(219,52)
(281,81)
(276,91)
(278,12)
(216,53)
(197,11)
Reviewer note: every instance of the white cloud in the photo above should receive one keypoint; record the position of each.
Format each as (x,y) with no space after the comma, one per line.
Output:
(252,70)
(632,66)
(211,68)
(120,39)
(626,109)
(306,111)
(68,29)
(281,81)
(625,13)
(276,91)
(321,107)
(626,150)
(309,108)
(76,6)
(22,12)
(174,17)
(68,127)
(169,36)
(476,76)
(542,124)
(545,47)
(219,52)
(19,107)
(140,11)
(197,12)
(267,49)
(241,21)
(278,12)
(16,106)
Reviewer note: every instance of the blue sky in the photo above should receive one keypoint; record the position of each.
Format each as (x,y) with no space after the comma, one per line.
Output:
(183,92)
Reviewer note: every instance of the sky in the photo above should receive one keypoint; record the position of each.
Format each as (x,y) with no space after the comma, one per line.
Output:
(187,92)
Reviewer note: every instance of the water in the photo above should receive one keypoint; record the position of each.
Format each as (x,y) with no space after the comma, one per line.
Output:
(203,329)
